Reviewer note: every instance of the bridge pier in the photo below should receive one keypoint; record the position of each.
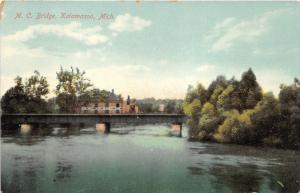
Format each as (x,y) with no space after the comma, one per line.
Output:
(103,127)
(25,128)
(176,129)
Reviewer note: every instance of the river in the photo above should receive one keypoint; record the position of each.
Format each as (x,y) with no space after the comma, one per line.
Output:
(139,159)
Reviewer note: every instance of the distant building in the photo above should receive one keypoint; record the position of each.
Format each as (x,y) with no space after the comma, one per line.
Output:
(114,105)
(161,108)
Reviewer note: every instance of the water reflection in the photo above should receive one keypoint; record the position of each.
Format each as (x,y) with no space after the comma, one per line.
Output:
(195,170)
(143,159)
(240,178)
(285,178)
(24,175)
(252,170)
(63,170)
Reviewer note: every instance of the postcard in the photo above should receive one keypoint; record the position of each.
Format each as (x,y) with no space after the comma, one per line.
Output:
(150,96)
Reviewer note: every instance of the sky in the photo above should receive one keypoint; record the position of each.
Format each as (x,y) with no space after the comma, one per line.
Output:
(152,49)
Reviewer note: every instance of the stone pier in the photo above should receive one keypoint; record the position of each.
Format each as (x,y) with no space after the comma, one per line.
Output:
(176,129)
(103,127)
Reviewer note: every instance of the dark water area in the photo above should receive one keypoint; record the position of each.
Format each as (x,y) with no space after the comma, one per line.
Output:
(139,159)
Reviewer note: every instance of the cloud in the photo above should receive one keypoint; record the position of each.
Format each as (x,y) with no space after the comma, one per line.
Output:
(129,23)
(231,30)
(163,61)
(125,69)
(205,68)
(74,30)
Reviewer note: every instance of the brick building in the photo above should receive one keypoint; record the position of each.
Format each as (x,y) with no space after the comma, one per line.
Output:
(113,105)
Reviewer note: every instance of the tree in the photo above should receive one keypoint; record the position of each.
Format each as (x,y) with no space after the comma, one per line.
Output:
(71,84)
(223,101)
(232,111)
(15,100)
(36,86)
(236,128)
(223,133)
(192,110)
(289,98)
(219,83)
(250,90)
(265,118)
(208,122)
(192,105)
(94,95)
(215,94)
(235,99)
(170,107)
(27,96)
(198,92)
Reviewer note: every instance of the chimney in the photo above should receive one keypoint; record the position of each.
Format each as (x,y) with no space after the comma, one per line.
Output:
(128,100)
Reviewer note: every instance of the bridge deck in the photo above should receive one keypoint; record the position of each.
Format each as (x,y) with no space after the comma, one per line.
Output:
(91,118)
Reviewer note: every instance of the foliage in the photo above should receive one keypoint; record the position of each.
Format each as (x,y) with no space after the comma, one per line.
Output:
(208,121)
(289,98)
(266,118)
(223,100)
(152,105)
(71,85)
(192,106)
(236,128)
(72,82)
(95,95)
(193,111)
(26,96)
(250,91)
(238,112)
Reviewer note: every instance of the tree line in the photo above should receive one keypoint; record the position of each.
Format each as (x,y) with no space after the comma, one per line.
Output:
(232,111)
(152,105)
(30,95)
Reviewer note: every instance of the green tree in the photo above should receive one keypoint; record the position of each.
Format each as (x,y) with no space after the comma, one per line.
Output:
(232,111)
(199,92)
(223,101)
(250,90)
(71,84)
(36,86)
(235,99)
(170,107)
(223,133)
(192,110)
(208,122)
(219,83)
(26,96)
(289,98)
(265,118)
(236,128)
(215,94)
(94,95)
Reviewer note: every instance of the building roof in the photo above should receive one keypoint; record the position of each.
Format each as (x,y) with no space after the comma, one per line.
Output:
(113,97)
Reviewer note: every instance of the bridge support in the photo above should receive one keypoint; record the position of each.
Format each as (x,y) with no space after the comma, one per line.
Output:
(176,129)
(25,128)
(103,127)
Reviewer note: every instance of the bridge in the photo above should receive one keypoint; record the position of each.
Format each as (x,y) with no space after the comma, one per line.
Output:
(102,121)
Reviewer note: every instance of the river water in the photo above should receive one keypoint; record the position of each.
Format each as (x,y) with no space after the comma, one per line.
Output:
(139,159)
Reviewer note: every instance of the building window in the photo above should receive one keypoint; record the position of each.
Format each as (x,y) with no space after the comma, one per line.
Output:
(118,105)
(96,111)
(106,109)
